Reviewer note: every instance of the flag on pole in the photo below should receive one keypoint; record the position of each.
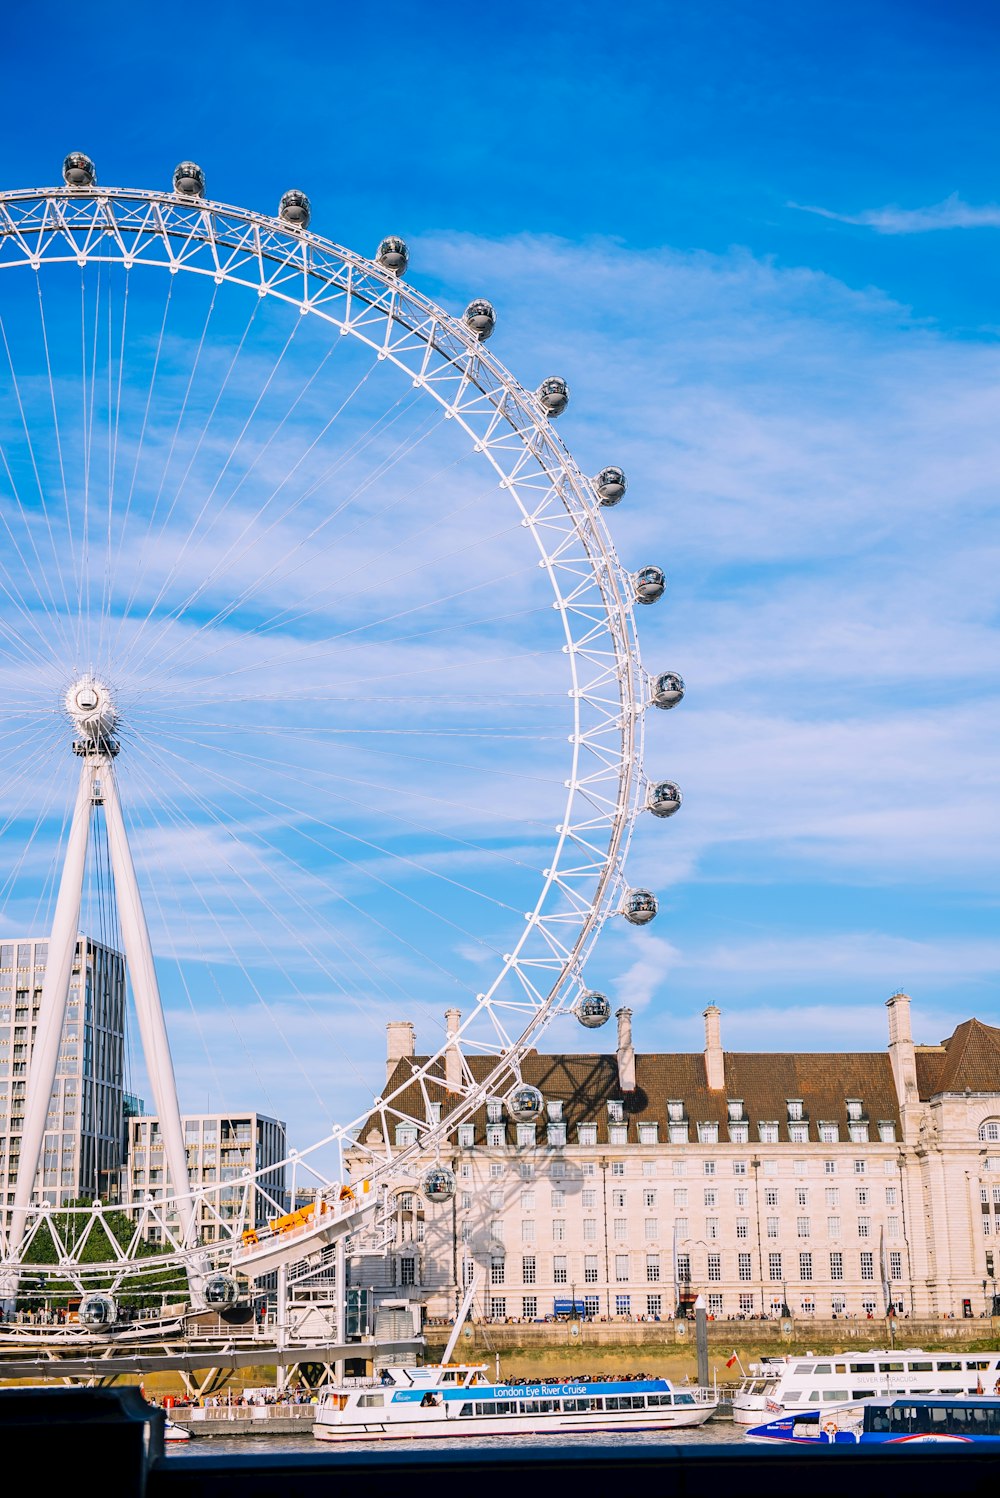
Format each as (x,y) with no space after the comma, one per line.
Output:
(734,1359)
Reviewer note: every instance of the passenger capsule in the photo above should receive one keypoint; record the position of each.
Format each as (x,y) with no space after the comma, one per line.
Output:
(640,907)
(295,209)
(438,1184)
(481,318)
(79,170)
(98,1310)
(525,1104)
(553,394)
(221,1290)
(668,689)
(611,484)
(663,798)
(189,180)
(593,1009)
(393,254)
(649,584)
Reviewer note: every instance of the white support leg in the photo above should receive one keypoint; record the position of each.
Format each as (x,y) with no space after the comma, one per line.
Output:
(149,1010)
(52,1006)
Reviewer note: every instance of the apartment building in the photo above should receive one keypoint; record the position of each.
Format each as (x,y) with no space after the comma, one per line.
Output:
(818,1184)
(222,1150)
(84,1136)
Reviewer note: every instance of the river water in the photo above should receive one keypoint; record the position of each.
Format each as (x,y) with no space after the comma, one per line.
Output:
(715,1433)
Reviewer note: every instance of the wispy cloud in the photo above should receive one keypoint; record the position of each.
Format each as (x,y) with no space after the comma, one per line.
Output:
(952,213)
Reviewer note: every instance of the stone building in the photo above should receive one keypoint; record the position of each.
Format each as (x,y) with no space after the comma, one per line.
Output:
(830,1183)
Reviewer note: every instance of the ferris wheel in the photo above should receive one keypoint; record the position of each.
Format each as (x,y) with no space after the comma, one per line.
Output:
(322,685)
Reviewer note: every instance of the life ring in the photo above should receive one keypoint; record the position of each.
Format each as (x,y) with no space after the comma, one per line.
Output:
(830,1427)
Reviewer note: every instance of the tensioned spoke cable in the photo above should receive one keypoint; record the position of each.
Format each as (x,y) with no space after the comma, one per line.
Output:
(114,431)
(55,419)
(364,960)
(141,571)
(55,614)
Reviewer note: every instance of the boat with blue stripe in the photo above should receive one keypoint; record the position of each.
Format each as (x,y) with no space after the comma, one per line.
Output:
(892,1422)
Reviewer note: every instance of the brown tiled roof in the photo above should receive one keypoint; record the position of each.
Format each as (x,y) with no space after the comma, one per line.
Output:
(931,1061)
(765,1082)
(972,1059)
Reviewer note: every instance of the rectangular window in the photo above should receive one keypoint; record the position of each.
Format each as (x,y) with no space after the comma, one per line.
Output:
(715,1267)
(527,1201)
(805,1266)
(649,1197)
(836,1266)
(528,1230)
(586,1133)
(652,1268)
(711,1196)
(621,1268)
(861,1195)
(744,1266)
(466,1136)
(830,1167)
(742,1227)
(860,1166)
(591,1305)
(802,1196)
(654,1306)
(832,1194)
(618,1167)
(895,1266)
(558,1197)
(529,1307)
(802,1227)
(529,1269)
(623,1305)
(407,1271)
(681,1228)
(620,1229)
(772,1227)
(741,1196)
(833,1227)
(559,1270)
(618,1133)
(867,1265)
(768,1133)
(588,1197)
(590,1269)
(771,1196)
(647,1133)
(746,1302)
(651,1229)
(558,1229)
(496,1136)
(590,1229)
(798,1133)
(708,1167)
(890,1196)
(497,1267)
(555,1133)
(711,1227)
(864,1227)
(680,1196)
(708,1133)
(684,1269)
(774,1266)
(498,1307)
(739,1133)
(618,1198)
(739,1167)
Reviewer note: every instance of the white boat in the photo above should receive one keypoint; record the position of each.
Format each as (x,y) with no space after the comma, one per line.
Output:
(173,1432)
(789,1385)
(455,1400)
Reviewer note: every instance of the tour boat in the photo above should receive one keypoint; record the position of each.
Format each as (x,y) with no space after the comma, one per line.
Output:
(785,1385)
(174,1432)
(888,1422)
(458,1400)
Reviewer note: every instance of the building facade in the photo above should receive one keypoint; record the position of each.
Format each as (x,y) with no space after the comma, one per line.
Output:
(222,1149)
(824,1184)
(84,1135)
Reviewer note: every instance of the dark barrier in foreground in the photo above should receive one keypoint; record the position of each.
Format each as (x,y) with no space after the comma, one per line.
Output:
(103,1435)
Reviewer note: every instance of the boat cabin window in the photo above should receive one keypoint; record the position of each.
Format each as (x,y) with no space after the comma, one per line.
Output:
(862,1367)
(833,1396)
(951,1366)
(371,1401)
(920,1367)
(822,1368)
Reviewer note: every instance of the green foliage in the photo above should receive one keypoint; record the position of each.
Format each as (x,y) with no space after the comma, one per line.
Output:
(112,1227)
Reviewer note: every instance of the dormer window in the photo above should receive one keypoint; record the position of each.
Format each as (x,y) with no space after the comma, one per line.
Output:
(829,1133)
(675,1110)
(854,1109)
(434,1113)
(586,1133)
(554,1111)
(708,1133)
(494,1110)
(739,1133)
(887,1131)
(795,1110)
(616,1111)
(768,1132)
(735,1106)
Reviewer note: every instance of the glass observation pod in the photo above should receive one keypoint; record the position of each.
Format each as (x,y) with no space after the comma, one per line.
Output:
(393,254)
(79,170)
(663,798)
(221,1290)
(593,1009)
(667,690)
(438,1184)
(295,208)
(611,484)
(525,1104)
(189,180)
(649,584)
(481,318)
(640,907)
(553,395)
(98,1310)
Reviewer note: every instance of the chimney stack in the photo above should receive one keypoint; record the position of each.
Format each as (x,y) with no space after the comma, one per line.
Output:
(400,1043)
(901,1050)
(715,1067)
(453,1055)
(626,1051)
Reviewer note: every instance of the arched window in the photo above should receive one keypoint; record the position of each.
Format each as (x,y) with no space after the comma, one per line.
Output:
(989,1132)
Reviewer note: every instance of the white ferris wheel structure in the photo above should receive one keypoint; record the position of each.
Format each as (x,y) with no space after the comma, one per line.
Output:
(248,605)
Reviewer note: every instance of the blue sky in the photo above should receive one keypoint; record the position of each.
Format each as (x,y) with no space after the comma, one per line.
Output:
(760,242)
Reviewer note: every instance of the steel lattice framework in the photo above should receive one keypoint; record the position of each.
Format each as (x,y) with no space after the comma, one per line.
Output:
(543,974)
